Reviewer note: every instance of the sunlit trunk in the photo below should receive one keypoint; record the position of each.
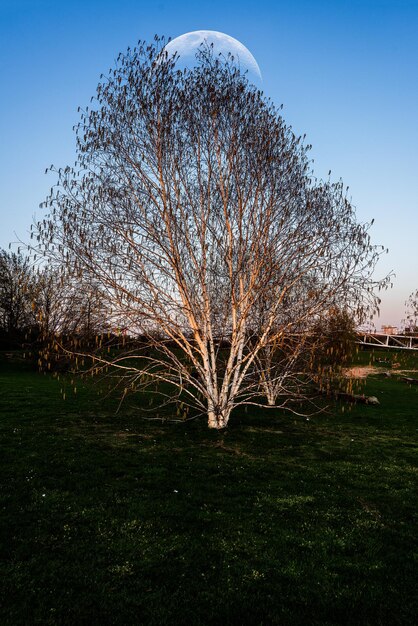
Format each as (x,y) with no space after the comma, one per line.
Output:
(271,397)
(218,416)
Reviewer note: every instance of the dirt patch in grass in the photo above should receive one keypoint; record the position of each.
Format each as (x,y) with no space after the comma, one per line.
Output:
(361,371)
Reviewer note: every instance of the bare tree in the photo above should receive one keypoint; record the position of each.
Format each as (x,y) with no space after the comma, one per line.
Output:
(412,313)
(193,206)
(16,293)
(307,356)
(67,307)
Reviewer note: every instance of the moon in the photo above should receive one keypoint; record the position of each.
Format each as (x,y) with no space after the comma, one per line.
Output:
(188,44)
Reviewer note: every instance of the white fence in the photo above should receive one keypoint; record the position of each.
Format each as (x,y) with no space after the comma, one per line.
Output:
(382,340)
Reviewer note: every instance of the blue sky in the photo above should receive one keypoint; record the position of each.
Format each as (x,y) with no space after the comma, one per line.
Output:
(346,73)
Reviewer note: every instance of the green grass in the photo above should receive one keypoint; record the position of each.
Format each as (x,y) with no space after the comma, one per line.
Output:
(112,519)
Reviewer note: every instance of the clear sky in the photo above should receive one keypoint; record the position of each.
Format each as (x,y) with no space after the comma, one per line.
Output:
(345,71)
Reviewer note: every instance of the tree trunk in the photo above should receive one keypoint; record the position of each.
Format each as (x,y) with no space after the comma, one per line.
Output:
(269,392)
(271,398)
(218,417)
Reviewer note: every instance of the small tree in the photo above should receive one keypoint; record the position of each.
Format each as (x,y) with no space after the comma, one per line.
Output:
(67,307)
(16,294)
(412,312)
(297,362)
(193,207)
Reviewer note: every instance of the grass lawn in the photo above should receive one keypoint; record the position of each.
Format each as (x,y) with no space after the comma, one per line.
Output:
(112,519)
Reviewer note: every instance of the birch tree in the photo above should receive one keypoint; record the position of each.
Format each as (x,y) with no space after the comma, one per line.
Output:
(193,205)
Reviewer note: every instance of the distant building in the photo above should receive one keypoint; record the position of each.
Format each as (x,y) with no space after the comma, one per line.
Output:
(390,330)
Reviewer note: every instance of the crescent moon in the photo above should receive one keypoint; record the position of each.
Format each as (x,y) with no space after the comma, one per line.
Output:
(187,45)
